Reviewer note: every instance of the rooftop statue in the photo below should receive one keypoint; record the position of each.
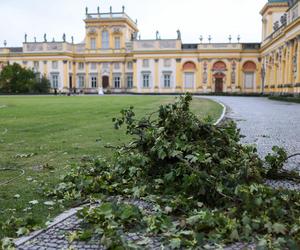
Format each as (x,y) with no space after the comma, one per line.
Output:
(178,35)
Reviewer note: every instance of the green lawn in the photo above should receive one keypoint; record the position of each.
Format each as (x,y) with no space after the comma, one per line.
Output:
(44,135)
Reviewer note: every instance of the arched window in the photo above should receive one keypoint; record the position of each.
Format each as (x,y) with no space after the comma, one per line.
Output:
(189,66)
(219,66)
(249,69)
(189,69)
(249,66)
(105,39)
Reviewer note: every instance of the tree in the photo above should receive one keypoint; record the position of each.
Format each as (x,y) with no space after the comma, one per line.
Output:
(42,86)
(15,79)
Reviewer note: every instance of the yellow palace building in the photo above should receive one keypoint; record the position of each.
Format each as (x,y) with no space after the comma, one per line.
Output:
(114,58)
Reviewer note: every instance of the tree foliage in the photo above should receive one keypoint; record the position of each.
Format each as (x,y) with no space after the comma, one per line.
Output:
(15,79)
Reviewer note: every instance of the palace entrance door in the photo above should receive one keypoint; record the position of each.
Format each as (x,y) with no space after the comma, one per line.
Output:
(219,85)
(105,82)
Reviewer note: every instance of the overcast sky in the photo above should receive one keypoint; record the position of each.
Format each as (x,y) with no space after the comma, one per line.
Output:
(217,18)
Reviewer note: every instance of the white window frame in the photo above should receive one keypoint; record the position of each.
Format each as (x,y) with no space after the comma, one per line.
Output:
(117,42)
(167,63)
(81,81)
(94,81)
(81,66)
(130,65)
(55,81)
(167,80)
(93,66)
(105,39)
(146,63)
(36,65)
(129,81)
(189,80)
(116,65)
(54,64)
(246,83)
(93,43)
(146,80)
(117,81)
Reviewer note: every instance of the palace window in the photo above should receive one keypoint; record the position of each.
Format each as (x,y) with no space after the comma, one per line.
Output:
(81,66)
(93,66)
(105,40)
(55,65)
(54,81)
(94,81)
(146,80)
(81,81)
(116,65)
(105,65)
(189,79)
(248,80)
(146,63)
(117,42)
(167,80)
(36,65)
(129,81)
(93,43)
(167,63)
(129,65)
(117,81)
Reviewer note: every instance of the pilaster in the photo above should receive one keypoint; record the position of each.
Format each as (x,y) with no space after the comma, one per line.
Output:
(156,75)
(65,62)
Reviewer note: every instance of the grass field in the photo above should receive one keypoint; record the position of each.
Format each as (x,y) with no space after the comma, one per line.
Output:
(44,135)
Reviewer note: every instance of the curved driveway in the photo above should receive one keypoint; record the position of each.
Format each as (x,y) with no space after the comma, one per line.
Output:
(266,123)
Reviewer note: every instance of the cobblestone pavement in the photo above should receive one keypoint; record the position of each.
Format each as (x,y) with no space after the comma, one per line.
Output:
(266,123)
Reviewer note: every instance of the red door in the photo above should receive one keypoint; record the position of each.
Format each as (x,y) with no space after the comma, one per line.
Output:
(105,82)
(219,85)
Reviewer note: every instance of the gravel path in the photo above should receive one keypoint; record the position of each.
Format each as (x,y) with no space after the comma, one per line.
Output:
(266,123)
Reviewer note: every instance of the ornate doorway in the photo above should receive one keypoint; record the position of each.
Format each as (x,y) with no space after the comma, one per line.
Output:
(219,85)
(105,82)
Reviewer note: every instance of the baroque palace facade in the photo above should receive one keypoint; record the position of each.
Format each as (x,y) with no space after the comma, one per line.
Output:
(113,57)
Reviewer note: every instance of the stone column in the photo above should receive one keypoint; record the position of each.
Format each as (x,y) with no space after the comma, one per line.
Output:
(65,62)
(156,76)
(74,75)
(199,75)
(87,83)
(298,60)
(123,77)
(228,76)
(111,80)
(209,78)
(45,73)
(135,74)
(99,75)
(238,80)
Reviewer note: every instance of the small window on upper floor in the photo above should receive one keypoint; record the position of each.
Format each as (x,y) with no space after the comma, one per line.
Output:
(81,66)
(167,63)
(93,66)
(116,65)
(93,43)
(146,63)
(129,65)
(55,65)
(105,39)
(105,65)
(117,42)
(36,65)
